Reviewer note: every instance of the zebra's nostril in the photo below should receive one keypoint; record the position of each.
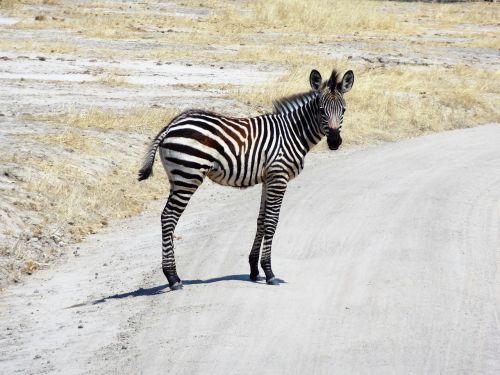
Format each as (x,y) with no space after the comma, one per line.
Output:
(333,139)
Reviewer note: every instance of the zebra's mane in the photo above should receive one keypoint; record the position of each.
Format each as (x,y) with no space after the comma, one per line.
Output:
(291,103)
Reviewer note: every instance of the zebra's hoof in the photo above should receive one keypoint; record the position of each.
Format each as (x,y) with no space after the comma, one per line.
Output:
(273,281)
(254,277)
(177,286)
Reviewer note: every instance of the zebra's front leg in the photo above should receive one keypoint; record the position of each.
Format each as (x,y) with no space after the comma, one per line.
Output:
(253,258)
(177,202)
(275,191)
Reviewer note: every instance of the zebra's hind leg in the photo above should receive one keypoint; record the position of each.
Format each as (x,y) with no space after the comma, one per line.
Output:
(275,190)
(180,194)
(253,258)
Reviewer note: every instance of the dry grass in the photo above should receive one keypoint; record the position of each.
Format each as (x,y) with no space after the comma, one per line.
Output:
(391,104)
(95,179)
(229,22)
(73,140)
(87,177)
(388,104)
(18,3)
(142,121)
(8,4)
(239,23)
(92,180)
(107,21)
(82,202)
(483,40)
(48,47)
(320,16)
(114,78)
(477,13)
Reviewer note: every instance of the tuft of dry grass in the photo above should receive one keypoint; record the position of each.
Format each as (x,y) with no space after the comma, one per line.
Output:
(74,140)
(139,120)
(115,80)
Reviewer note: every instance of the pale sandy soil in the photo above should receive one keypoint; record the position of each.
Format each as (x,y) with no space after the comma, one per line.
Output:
(397,273)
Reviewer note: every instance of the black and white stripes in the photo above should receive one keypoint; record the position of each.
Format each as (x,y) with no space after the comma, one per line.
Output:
(242,152)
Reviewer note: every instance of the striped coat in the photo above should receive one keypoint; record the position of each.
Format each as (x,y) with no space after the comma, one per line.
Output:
(243,152)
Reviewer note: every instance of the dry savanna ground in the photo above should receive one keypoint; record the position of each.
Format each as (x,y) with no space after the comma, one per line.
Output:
(85,85)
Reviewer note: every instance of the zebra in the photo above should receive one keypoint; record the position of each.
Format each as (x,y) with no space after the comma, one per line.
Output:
(269,149)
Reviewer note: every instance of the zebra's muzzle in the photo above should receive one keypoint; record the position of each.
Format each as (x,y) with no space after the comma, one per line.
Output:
(333,139)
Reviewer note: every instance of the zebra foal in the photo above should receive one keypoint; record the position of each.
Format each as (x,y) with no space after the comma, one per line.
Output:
(242,152)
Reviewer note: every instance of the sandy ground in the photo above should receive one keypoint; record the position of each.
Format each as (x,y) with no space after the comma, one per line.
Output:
(398,273)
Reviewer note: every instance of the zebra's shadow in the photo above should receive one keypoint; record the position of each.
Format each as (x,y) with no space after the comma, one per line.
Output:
(240,277)
(161,289)
(155,290)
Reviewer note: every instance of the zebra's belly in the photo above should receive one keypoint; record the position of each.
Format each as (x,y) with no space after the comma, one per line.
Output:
(225,178)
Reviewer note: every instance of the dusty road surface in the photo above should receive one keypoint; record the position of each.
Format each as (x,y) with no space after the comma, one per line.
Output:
(389,257)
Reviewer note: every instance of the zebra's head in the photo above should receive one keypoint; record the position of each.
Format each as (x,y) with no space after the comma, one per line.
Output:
(331,102)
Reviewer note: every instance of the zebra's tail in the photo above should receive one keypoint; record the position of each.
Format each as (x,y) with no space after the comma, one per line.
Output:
(149,158)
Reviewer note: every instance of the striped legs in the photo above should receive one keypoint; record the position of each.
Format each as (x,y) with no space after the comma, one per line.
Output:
(275,190)
(177,202)
(253,258)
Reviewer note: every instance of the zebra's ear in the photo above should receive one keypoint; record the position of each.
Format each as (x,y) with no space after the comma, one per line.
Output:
(347,81)
(315,79)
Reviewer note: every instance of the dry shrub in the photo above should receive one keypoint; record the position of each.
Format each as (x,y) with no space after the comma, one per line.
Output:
(31,266)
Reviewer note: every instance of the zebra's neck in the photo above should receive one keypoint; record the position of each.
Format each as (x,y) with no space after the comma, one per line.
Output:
(302,114)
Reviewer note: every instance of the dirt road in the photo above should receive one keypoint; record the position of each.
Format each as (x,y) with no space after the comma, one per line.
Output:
(389,256)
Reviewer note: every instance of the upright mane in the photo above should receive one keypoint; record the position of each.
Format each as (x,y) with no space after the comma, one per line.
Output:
(333,81)
(291,103)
